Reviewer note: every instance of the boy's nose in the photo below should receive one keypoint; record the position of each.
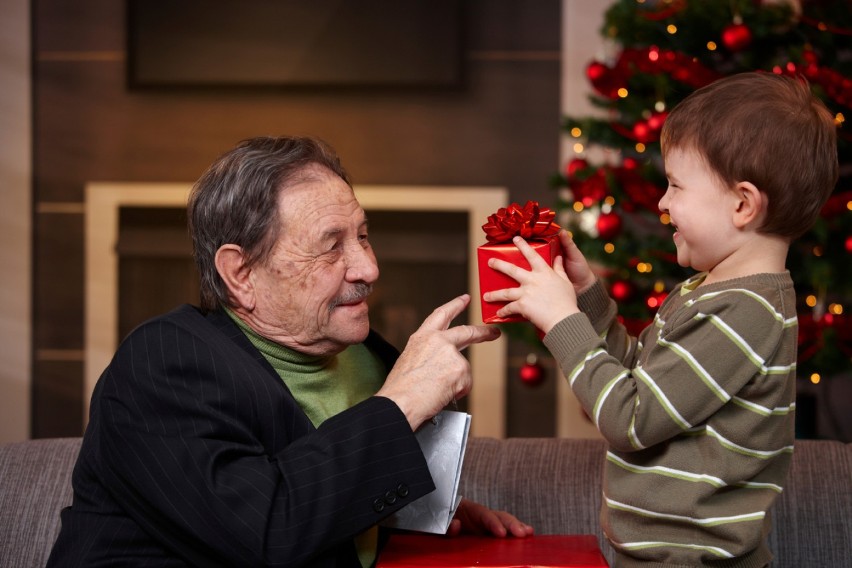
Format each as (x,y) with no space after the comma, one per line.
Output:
(662,205)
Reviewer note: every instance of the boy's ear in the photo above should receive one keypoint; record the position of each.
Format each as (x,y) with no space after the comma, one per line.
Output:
(751,205)
(237,275)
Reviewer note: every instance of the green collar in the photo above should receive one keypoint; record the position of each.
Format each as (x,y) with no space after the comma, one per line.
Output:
(322,385)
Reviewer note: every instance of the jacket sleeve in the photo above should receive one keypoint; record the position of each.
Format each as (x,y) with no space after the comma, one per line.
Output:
(180,428)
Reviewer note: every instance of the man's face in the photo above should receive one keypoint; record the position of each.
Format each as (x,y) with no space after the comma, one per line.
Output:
(311,293)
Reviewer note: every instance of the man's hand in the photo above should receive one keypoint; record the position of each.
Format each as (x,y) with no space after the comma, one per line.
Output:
(473,518)
(431,371)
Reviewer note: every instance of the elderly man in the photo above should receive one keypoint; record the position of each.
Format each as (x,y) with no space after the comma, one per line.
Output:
(271,426)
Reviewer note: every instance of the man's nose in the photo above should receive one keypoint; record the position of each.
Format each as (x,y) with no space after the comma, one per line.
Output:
(361,265)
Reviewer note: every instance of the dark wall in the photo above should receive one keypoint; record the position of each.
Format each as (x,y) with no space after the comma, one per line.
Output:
(499,128)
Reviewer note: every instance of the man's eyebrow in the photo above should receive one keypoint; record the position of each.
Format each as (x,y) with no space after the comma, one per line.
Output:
(334,232)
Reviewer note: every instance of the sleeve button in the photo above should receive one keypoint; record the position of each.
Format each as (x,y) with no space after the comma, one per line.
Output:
(378,505)
(402,490)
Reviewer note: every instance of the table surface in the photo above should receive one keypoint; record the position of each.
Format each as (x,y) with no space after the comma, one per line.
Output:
(413,550)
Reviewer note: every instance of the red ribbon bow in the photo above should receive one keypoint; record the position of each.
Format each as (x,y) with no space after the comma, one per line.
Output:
(528,222)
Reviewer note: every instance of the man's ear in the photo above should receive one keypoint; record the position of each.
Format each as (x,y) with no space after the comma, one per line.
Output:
(751,205)
(234,271)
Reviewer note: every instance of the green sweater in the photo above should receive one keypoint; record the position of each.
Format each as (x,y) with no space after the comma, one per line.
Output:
(699,416)
(322,385)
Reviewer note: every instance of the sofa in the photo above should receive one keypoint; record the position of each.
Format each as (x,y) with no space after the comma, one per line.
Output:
(552,483)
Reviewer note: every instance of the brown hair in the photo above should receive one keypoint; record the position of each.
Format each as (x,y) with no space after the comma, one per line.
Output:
(236,202)
(768,130)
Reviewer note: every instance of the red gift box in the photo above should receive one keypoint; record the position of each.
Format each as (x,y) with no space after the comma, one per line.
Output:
(490,279)
(414,550)
(531,222)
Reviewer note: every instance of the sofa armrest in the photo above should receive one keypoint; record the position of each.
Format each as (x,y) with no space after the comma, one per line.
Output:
(35,484)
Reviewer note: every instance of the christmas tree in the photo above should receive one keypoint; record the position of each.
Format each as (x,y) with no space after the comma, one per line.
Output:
(660,51)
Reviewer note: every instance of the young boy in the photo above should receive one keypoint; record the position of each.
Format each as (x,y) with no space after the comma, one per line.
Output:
(699,410)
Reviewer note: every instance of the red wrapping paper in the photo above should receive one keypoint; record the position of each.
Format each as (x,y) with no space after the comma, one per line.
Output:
(413,550)
(533,223)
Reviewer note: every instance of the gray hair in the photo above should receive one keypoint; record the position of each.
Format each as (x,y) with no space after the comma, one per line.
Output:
(236,202)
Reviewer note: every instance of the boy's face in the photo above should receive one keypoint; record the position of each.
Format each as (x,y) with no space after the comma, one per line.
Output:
(701,210)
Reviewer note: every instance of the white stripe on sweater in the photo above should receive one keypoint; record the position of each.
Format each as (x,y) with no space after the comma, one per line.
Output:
(704,522)
(658,543)
(761,454)
(661,396)
(579,368)
(688,475)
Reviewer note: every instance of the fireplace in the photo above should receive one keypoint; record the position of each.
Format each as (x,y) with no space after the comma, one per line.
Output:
(425,239)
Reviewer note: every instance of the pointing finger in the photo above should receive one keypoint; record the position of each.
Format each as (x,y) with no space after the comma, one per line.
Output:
(463,335)
(441,316)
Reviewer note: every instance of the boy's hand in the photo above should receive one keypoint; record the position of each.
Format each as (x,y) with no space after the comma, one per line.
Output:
(576,267)
(545,296)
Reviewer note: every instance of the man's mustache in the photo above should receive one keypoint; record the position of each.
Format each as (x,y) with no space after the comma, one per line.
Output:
(356,293)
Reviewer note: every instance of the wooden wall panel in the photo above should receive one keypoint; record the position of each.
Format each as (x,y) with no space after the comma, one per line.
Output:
(57,410)
(500,129)
(58,281)
(88,128)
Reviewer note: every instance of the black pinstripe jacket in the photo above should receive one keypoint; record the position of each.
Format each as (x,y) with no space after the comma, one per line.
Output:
(197,454)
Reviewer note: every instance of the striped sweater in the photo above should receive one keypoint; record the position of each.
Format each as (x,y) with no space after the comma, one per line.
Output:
(698,412)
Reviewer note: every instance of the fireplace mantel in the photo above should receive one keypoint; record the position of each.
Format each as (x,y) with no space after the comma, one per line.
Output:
(486,402)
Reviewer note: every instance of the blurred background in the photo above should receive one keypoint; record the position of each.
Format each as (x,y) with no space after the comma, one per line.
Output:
(112,109)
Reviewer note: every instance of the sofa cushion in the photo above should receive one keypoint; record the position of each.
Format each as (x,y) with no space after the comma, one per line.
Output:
(554,484)
(812,520)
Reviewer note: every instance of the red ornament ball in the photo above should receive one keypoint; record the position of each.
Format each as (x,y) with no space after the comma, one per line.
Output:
(596,70)
(608,225)
(655,299)
(642,132)
(621,290)
(736,37)
(656,120)
(605,81)
(575,165)
(531,372)
(849,244)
